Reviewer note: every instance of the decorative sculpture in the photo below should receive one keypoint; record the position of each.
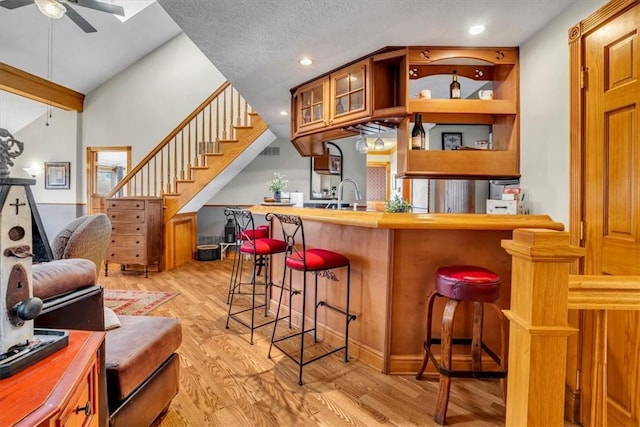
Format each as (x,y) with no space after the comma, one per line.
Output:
(10,148)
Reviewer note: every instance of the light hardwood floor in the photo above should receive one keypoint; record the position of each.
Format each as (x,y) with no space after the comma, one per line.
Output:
(225,381)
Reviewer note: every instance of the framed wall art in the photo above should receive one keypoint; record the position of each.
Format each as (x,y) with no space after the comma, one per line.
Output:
(451,140)
(57,175)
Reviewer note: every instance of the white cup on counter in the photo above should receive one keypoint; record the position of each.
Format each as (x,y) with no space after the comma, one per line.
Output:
(424,94)
(485,94)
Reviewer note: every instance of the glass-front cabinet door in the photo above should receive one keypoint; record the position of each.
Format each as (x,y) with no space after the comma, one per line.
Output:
(350,93)
(311,105)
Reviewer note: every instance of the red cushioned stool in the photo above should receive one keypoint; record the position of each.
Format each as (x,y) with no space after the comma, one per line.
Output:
(254,243)
(319,262)
(459,283)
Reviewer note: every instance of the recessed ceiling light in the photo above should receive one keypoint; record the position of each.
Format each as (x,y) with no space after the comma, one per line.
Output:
(306,61)
(284,113)
(476,29)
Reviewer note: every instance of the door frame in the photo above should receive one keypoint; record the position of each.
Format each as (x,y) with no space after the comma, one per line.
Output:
(95,202)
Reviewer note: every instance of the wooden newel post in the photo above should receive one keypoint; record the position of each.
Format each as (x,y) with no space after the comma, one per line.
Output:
(538,327)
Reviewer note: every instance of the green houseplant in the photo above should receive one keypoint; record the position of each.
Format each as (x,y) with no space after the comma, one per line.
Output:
(277,184)
(397,204)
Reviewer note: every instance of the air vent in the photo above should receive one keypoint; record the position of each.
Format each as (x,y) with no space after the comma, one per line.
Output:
(270,151)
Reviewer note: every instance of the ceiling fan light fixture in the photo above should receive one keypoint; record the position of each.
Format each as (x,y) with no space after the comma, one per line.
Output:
(51,8)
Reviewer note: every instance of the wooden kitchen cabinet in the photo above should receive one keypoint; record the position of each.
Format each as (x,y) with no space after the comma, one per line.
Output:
(59,390)
(336,104)
(350,93)
(136,232)
(384,90)
(310,106)
(498,66)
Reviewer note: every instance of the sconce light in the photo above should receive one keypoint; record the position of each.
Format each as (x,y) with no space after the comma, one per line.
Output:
(33,170)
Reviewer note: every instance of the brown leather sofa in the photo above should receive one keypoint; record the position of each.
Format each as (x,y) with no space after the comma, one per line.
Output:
(140,369)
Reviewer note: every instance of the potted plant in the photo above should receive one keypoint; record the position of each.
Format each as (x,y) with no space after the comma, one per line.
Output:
(277,184)
(397,204)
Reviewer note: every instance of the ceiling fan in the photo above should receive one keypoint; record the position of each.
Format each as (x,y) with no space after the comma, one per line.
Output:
(56,9)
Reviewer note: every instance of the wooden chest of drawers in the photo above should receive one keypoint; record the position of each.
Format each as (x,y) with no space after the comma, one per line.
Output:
(136,232)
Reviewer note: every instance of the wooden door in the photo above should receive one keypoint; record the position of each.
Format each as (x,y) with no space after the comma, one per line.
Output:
(611,207)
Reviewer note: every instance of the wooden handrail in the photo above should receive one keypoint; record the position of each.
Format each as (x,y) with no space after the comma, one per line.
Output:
(169,165)
(604,292)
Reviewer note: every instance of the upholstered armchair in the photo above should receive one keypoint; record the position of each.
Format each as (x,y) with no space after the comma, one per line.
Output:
(139,373)
(86,237)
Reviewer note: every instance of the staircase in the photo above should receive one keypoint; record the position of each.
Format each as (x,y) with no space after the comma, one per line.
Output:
(198,158)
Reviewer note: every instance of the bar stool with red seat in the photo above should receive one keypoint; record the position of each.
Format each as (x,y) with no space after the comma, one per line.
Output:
(458,283)
(259,249)
(308,260)
(260,232)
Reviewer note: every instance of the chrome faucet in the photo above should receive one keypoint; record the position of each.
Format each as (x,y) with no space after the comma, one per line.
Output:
(358,194)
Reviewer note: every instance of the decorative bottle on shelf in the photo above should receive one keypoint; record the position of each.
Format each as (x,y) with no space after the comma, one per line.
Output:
(454,87)
(418,135)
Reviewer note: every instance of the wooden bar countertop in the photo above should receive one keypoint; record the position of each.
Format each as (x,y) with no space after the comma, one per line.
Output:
(415,221)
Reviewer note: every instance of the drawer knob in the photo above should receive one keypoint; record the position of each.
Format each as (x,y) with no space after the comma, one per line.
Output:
(86,408)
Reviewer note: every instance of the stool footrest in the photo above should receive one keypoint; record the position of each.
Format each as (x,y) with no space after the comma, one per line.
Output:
(338,309)
(296,358)
(248,325)
(465,373)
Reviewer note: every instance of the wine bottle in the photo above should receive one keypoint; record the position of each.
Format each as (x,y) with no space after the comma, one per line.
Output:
(454,87)
(418,135)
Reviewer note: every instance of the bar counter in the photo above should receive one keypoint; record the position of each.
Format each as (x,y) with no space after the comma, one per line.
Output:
(394,257)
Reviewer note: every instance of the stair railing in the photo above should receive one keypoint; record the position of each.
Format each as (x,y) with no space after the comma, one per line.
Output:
(542,293)
(188,146)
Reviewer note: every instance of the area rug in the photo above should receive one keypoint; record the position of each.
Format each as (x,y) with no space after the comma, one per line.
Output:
(135,303)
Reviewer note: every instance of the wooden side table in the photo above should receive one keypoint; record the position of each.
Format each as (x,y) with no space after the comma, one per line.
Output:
(61,389)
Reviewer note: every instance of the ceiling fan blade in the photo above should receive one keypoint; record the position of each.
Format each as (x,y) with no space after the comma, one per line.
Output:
(79,20)
(98,5)
(12,4)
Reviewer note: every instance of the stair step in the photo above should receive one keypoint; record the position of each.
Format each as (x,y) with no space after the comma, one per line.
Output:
(214,154)
(183,181)
(243,127)
(229,140)
(198,167)
(170,194)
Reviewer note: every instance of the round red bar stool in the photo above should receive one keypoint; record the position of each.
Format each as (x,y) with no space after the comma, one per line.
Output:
(458,283)
(320,262)
(254,243)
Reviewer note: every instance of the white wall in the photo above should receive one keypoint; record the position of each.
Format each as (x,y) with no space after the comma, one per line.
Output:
(250,185)
(56,142)
(143,104)
(137,107)
(544,112)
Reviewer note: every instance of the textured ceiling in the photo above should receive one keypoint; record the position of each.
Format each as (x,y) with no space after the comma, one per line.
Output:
(256,43)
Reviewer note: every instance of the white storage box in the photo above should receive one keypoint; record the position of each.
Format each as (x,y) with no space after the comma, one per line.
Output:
(505,207)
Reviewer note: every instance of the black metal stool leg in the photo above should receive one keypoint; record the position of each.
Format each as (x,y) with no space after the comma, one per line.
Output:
(304,313)
(275,323)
